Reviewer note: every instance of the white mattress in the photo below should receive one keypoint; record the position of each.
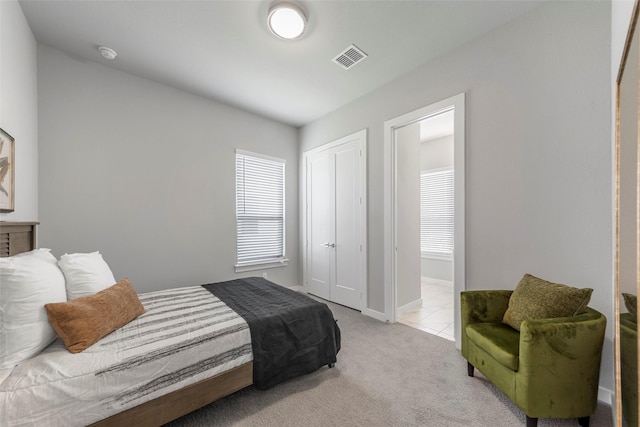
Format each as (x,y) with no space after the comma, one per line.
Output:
(186,335)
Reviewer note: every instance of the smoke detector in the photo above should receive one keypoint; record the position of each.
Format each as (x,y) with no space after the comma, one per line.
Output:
(350,57)
(107,52)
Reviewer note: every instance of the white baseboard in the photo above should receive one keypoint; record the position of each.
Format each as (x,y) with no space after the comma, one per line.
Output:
(375,314)
(408,307)
(366,311)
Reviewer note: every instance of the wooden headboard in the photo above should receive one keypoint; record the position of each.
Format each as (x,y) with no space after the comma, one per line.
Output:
(17,237)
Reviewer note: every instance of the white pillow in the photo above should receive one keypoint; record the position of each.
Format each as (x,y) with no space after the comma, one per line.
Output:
(86,274)
(28,281)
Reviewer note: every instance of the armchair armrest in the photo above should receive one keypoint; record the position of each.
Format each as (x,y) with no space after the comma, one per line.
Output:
(565,352)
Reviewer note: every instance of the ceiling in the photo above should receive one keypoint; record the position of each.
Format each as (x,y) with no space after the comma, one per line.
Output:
(223,50)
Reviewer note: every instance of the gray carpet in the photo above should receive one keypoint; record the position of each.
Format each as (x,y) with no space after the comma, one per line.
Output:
(386,375)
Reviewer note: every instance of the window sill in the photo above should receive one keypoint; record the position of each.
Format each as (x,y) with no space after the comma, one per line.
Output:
(252,266)
(437,255)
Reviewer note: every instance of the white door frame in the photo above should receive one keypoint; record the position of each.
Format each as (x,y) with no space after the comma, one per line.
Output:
(361,136)
(390,202)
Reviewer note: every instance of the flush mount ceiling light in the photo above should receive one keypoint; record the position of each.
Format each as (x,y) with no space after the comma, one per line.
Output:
(287,20)
(107,52)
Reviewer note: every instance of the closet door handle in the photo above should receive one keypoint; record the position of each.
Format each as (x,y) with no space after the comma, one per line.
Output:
(329,245)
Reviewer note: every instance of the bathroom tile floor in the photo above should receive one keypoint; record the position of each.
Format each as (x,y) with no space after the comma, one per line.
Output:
(435,315)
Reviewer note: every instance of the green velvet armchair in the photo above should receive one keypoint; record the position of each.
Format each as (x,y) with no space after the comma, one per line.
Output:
(629,368)
(549,369)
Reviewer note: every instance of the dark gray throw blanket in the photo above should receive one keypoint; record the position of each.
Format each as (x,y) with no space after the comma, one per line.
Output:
(291,334)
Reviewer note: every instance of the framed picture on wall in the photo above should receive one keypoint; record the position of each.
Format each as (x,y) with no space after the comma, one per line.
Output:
(7,172)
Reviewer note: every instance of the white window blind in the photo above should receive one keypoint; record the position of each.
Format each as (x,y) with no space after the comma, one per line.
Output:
(259,208)
(436,213)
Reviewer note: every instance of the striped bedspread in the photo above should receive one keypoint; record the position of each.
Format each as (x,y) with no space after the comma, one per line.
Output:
(186,335)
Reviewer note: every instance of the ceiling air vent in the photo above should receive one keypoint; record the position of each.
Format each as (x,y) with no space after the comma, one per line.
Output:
(349,57)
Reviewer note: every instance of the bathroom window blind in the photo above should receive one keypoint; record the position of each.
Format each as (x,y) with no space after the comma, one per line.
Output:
(259,208)
(436,213)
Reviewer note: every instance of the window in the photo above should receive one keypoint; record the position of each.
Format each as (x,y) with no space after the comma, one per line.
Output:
(259,211)
(436,214)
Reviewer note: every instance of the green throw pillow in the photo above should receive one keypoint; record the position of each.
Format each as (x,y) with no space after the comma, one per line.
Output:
(536,298)
(631,301)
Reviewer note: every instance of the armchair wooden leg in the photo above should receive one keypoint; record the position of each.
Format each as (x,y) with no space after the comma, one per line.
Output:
(583,421)
(532,422)
(470,369)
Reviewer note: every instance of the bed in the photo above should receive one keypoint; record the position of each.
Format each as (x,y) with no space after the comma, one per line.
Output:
(192,346)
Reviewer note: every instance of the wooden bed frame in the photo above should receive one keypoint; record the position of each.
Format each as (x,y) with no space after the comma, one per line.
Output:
(18,237)
(173,405)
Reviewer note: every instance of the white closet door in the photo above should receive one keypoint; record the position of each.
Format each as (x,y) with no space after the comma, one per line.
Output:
(346,285)
(335,261)
(319,224)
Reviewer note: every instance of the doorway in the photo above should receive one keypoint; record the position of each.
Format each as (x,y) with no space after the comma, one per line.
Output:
(334,221)
(402,223)
(430,308)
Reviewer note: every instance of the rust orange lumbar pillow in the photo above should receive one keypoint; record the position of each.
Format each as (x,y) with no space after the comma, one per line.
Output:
(85,320)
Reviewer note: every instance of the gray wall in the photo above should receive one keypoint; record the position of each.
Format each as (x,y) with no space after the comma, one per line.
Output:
(408,230)
(145,174)
(19,106)
(538,177)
